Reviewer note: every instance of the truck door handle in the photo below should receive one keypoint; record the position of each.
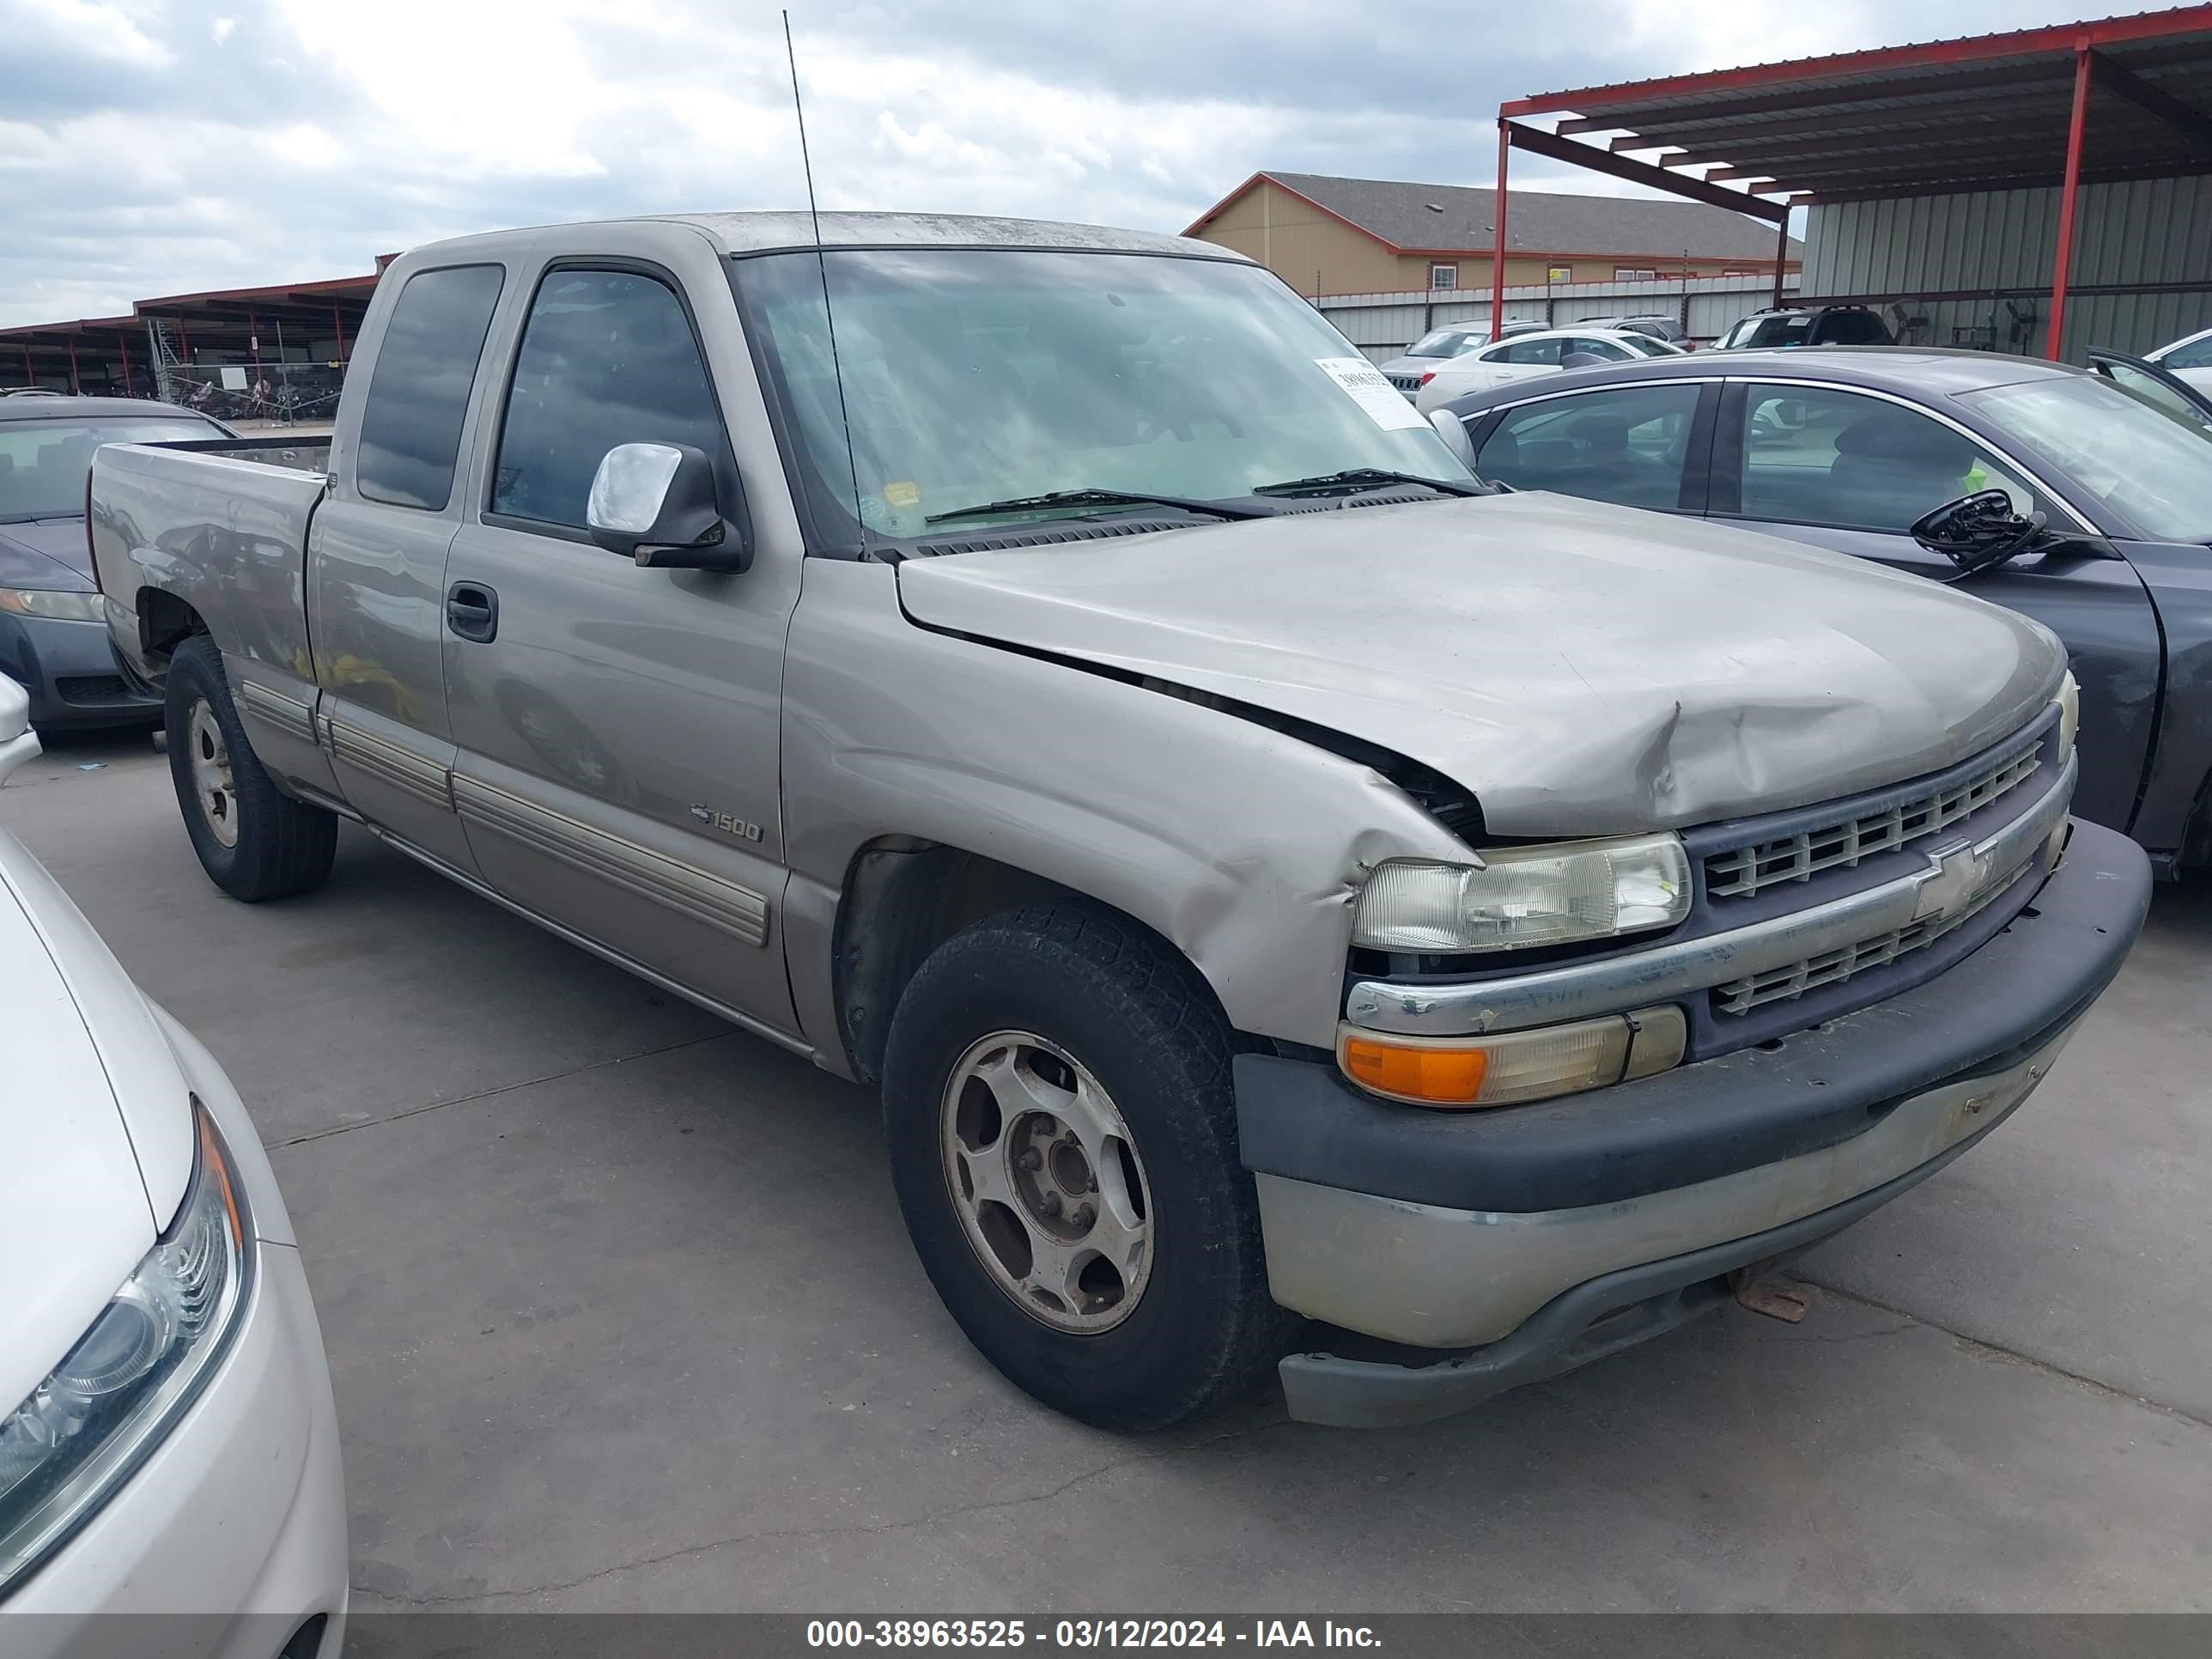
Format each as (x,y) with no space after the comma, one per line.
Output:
(472,611)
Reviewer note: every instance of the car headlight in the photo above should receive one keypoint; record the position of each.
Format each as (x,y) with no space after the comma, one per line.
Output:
(101,1412)
(2069,713)
(1519,896)
(41,601)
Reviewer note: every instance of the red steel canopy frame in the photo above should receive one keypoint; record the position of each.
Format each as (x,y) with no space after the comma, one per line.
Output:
(1982,113)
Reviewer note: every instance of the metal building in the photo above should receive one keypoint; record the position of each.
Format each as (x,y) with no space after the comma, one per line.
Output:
(2043,192)
(256,351)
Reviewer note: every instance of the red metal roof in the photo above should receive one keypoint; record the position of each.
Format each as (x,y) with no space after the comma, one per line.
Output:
(1980,112)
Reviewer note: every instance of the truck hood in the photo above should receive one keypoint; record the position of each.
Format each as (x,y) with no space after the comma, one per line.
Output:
(95,1124)
(1583,669)
(45,553)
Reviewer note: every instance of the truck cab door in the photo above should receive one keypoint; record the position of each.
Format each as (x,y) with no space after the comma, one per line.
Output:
(1845,469)
(376,559)
(617,725)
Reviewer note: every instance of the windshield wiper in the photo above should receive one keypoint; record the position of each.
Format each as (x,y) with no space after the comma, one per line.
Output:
(1355,478)
(1094,498)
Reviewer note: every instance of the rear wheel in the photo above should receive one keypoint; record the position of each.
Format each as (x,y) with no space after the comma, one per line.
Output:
(254,841)
(1062,1131)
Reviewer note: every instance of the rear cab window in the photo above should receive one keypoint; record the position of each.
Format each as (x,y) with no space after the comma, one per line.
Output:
(418,393)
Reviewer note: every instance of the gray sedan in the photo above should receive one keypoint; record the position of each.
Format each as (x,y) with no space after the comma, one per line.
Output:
(53,640)
(1848,448)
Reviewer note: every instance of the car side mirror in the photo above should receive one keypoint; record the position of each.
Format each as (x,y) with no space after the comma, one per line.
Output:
(1453,431)
(1979,532)
(18,742)
(658,504)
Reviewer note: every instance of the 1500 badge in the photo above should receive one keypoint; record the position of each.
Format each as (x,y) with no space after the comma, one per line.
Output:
(727,823)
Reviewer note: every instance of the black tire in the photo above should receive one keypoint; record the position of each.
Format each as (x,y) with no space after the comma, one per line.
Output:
(1137,1016)
(279,846)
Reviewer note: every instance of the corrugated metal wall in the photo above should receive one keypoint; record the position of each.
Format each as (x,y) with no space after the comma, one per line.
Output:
(1384,324)
(2000,244)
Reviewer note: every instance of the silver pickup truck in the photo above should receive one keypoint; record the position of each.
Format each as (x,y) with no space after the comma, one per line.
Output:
(1045,673)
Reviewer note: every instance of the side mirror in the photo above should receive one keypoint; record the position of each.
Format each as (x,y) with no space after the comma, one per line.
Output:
(1978,531)
(658,504)
(1453,431)
(18,742)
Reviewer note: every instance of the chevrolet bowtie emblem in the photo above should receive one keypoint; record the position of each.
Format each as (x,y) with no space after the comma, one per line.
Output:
(1956,875)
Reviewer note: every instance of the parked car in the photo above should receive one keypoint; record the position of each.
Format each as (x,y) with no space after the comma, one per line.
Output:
(170,1445)
(1437,346)
(2187,359)
(1847,449)
(1814,325)
(1664,329)
(52,639)
(1528,356)
(1209,818)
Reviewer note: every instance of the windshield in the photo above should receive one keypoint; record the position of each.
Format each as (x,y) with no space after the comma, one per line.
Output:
(1645,344)
(1787,329)
(43,464)
(2152,472)
(1447,342)
(976,375)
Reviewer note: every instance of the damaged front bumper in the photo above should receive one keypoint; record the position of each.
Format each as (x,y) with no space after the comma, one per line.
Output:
(1492,1248)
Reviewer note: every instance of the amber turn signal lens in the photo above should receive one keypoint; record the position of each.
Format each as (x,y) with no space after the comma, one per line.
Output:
(1445,1077)
(1511,1067)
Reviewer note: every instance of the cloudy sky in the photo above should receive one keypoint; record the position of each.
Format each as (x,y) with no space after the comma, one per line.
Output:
(162,146)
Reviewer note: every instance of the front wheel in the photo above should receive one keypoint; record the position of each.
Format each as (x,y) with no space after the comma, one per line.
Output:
(1062,1129)
(254,840)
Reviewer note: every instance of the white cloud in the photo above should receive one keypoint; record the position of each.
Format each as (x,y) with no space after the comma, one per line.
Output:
(156,146)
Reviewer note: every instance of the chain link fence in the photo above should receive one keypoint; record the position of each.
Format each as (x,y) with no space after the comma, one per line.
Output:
(282,394)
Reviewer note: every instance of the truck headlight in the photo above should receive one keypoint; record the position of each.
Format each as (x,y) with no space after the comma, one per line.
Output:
(101,1412)
(42,601)
(2069,714)
(1518,896)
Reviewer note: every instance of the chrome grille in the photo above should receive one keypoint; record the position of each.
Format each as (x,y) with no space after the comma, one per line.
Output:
(1407,384)
(1842,845)
(1741,996)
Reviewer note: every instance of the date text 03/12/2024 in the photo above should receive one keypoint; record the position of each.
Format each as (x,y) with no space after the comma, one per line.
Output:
(1085,1633)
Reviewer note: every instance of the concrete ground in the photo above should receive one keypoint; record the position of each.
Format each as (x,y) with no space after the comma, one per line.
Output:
(620,1315)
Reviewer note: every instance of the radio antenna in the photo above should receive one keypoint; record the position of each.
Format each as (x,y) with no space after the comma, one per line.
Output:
(822,264)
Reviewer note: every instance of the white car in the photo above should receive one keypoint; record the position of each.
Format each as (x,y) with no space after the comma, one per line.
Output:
(170,1445)
(2189,357)
(1522,356)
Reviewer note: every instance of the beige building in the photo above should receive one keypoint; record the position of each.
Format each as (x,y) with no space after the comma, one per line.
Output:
(1325,235)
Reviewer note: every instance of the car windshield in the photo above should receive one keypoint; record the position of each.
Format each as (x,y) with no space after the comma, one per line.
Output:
(1787,329)
(43,464)
(973,375)
(1645,344)
(1446,343)
(2151,470)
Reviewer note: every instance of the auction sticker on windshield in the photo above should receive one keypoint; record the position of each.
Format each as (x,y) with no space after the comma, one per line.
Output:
(1362,383)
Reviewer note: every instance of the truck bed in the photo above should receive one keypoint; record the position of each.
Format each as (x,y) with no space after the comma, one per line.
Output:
(215,530)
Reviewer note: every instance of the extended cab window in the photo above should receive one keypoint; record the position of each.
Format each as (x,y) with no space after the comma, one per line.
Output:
(607,357)
(418,394)
(1820,455)
(1627,445)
